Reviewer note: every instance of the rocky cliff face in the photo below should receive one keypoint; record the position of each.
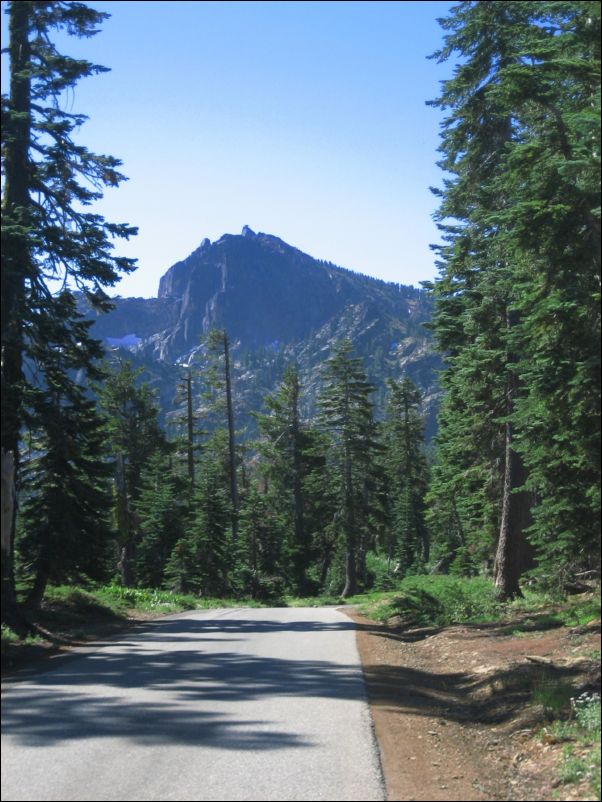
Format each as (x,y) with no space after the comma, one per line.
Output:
(278,305)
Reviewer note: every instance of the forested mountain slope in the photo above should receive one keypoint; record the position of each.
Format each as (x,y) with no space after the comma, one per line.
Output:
(279,306)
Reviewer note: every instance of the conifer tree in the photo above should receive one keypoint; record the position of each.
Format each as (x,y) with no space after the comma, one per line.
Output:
(133,436)
(48,234)
(261,569)
(521,142)
(66,498)
(407,471)
(187,419)
(346,413)
(202,558)
(219,378)
(162,511)
(284,467)
(321,506)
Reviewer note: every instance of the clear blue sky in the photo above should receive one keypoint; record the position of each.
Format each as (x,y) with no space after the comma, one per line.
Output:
(306,120)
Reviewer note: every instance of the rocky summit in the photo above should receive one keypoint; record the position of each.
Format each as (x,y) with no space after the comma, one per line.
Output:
(279,306)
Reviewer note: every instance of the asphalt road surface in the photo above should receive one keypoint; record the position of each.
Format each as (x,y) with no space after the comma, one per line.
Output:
(238,704)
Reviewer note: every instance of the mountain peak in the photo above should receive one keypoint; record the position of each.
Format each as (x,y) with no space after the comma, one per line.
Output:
(278,305)
(263,290)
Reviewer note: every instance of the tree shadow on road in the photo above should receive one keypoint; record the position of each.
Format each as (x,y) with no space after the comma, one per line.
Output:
(92,695)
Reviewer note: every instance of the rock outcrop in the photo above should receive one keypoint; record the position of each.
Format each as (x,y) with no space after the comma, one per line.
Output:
(278,305)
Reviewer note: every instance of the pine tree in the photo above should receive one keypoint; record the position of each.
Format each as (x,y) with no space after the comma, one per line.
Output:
(187,419)
(521,142)
(219,378)
(134,436)
(320,506)
(475,264)
(408,475)
(261,566)
(346,413)
(555,218)
(47,233)
(284,467)
(66,498)
(162,512)
(201,559)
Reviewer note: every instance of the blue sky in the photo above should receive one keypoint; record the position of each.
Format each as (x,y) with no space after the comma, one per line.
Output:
(306,120)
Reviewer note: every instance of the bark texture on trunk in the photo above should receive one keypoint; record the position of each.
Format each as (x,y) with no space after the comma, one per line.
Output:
(231,444)
(350,537)
(16,268)
(513,552)
(190,429)
(10,612)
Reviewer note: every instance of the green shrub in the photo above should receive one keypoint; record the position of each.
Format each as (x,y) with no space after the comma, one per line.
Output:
(437,601)
(147,599)
(8,637)
(380,572)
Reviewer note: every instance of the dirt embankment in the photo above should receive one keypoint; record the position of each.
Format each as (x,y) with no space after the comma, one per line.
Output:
(454,709)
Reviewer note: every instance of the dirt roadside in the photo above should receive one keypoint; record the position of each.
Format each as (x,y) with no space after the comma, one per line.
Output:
(453,710)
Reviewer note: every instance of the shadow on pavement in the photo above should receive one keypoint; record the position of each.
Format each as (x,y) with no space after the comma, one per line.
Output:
(89,695)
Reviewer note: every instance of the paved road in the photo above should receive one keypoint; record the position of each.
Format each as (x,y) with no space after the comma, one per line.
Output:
(237,704)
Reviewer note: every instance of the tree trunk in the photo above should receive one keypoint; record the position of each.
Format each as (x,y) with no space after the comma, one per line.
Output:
(513,551)
(190,430)
(350,539)
(510,556)
(426,546)
(231,444)
(10,611)
(127,564)
(324,568)
(16,267)
(301,546)
(36,594)
(8,500)
(124,523)
(350,588)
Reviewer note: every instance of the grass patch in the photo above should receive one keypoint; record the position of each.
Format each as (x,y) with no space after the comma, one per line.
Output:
(9,638)
(436,601)
(312,601)
(553,695)
(121,599)
(118,602)
(574,611)
(536,623)
(581,735)
(65,606)
(580,611)
(543,613)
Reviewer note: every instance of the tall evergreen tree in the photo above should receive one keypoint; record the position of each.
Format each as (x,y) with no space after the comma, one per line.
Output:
(186,420)
(162,514)
(407,472)
(261,551)
(219,378)
(134,436)
(47,234)
(346,412)
(66,497)
(202,558)
(284,466)
(321,505)
(521,143)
